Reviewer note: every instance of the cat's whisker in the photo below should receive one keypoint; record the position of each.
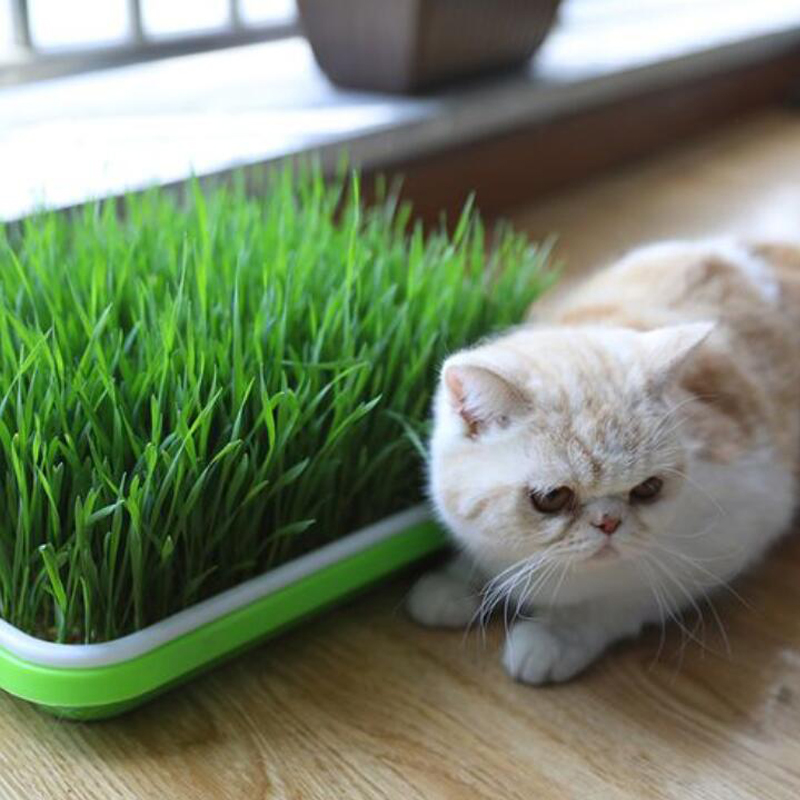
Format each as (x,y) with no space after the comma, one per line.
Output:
(661,568)
(540,566)
(716,580)
(650,582)
(669,613)
(696,534)
(541,580)
(703,589)
(534,572)
(529,584)
(676,581)
(694,484)
(567,566)
(723,631)
(673,614)
(530,591)
(494,592)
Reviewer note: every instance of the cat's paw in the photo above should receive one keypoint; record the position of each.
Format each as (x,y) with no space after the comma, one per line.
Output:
(439,600)
(538,653)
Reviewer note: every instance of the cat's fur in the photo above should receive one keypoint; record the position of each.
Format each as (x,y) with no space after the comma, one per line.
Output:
(682,361)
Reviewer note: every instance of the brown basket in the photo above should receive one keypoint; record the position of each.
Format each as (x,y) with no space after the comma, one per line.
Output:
(411,45)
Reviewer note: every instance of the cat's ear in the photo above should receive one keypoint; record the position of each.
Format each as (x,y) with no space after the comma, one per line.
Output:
(480,396)
(667,349)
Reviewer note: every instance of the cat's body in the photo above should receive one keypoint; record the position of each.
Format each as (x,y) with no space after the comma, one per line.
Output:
(633,448)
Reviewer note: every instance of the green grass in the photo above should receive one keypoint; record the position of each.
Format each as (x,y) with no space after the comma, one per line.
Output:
(193,392)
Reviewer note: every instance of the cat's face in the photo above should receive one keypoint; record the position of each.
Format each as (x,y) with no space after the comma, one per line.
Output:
(562,440)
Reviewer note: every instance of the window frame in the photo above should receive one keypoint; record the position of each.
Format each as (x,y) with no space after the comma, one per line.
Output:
(29,63)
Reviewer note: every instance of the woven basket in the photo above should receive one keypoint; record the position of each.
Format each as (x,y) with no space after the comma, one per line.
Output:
(413,45)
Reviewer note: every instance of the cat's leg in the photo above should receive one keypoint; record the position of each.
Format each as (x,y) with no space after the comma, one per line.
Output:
(447,597)
(563,642)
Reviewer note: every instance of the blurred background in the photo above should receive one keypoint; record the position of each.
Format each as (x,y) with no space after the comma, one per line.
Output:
(510,99)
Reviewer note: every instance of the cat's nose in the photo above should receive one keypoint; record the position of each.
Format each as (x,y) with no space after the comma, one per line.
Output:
(608,524)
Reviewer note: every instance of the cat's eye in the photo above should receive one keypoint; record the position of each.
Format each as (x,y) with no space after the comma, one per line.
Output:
(646,491)
(553,501)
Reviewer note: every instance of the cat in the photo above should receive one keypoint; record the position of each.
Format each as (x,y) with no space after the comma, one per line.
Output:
(628,450)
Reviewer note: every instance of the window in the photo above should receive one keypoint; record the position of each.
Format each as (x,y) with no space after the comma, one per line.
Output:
(44,37)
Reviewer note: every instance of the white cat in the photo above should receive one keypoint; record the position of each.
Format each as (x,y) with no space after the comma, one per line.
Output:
(609,464)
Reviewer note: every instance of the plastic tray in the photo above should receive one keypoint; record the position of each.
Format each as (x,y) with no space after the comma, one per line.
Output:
(95,681)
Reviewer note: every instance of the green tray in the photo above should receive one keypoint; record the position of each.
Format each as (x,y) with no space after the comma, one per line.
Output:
(96,681)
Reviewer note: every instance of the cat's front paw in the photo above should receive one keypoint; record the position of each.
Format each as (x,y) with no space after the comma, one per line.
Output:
(538,653)
(439,600)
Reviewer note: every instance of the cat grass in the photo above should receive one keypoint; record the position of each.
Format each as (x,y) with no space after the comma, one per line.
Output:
(195,390)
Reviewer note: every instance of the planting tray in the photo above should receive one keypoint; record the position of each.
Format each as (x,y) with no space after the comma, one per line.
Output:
(101,680)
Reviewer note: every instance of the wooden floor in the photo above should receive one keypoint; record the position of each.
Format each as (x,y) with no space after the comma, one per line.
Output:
(362,704)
